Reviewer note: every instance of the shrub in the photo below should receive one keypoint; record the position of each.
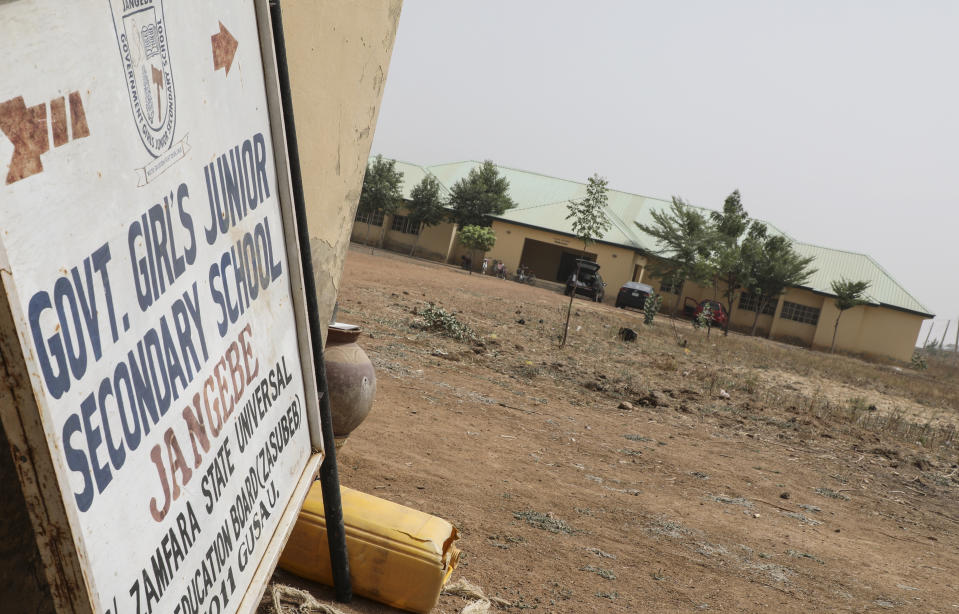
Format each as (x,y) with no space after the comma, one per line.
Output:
(438,319)
(705,316)
(651,308)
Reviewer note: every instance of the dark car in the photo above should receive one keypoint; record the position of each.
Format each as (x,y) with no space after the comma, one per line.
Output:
(633,294)
(717,312)
(589,283)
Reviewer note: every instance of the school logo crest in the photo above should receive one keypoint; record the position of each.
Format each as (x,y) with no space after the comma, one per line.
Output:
(145,53)
(148,75)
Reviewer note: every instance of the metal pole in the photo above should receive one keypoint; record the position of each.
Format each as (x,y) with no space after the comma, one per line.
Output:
(329,477)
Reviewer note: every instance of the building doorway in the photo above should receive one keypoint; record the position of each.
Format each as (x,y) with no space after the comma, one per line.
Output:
(567,264)
(549,261)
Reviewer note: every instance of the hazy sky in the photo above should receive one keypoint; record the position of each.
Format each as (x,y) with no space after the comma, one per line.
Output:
(837,120)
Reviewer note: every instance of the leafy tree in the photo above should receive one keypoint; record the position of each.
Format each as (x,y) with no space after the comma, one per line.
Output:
(426,208)
(589,223)
(732,268)
(479,195)
(477,238)
(730,262)
(775,266)
(381,191)
(685,240)
(733,221)
(849,294)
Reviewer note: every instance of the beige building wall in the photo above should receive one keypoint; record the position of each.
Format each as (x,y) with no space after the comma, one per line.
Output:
(869,330)
(434,242)
(617,264)
(790,330)
(339,55)
(366,233)
(742,320)
(850,327)
(888,332)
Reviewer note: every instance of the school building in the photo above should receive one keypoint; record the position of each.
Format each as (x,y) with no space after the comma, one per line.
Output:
(536,233)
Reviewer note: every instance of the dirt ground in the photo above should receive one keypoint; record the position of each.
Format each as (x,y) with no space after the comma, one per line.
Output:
(747,476)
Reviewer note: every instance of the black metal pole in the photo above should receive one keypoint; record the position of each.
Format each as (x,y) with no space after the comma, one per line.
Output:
(329,477)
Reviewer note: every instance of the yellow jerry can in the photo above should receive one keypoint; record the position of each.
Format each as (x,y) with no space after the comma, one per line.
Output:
(398,556)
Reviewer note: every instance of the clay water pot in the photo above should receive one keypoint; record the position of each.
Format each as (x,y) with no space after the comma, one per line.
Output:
(350,379)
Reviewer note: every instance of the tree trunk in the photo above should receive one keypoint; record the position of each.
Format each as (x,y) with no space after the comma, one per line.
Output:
(835,329)
(759,309)
(729,313)
(382,234)
(679,295)
(416,241)
(569,310)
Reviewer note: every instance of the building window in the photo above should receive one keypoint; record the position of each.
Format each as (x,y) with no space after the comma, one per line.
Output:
(401,223)
(377,218)
(670,286)
(800,313)
(750,302)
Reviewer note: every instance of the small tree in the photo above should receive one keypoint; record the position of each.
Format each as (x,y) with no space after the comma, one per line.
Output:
(705,318)
(849,294)
(685,240)
(729,262)
(651,307)
(774,267)
(589,222)
(426,208)
(477,238)
(480,195)
(382,191)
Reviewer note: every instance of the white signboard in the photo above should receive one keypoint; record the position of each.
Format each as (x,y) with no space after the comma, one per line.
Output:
(144,257)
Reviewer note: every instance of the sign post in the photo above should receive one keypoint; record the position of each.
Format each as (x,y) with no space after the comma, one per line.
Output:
(159,398)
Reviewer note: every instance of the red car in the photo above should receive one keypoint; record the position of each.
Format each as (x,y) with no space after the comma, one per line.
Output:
(718,316)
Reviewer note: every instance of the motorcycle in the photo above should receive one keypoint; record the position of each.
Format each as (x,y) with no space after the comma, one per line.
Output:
(524,276)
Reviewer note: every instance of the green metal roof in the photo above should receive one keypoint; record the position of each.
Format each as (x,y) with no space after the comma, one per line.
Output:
(541,202)
(833,264)
(412,175)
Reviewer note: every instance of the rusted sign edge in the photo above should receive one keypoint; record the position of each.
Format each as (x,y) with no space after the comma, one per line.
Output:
(20,415)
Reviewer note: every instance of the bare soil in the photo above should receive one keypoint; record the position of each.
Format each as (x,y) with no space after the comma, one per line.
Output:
(747,476)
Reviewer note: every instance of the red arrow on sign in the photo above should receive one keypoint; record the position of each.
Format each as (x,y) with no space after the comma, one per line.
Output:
(224,48)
